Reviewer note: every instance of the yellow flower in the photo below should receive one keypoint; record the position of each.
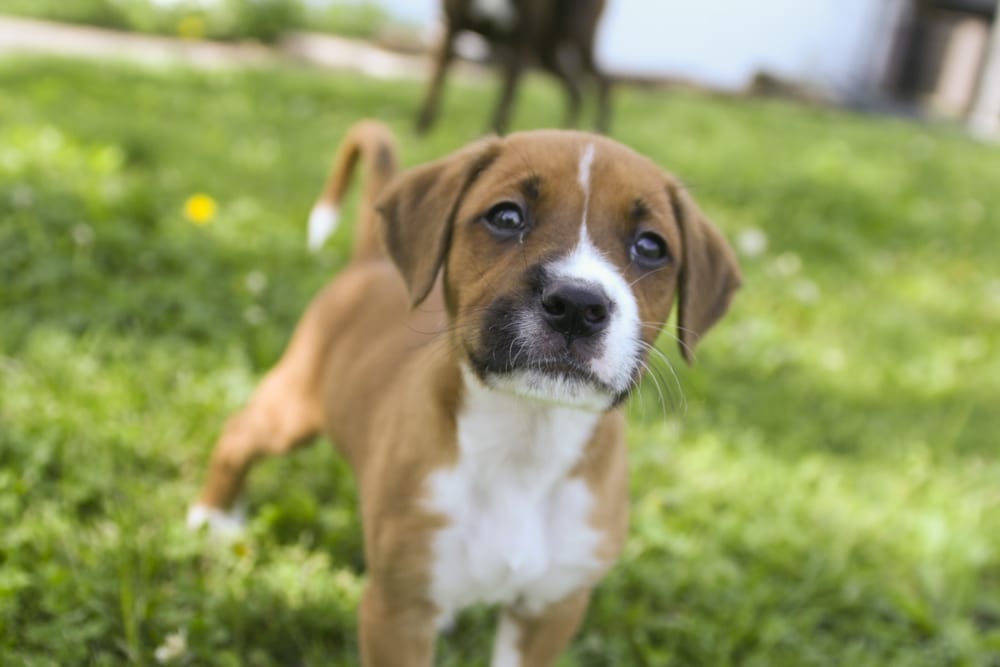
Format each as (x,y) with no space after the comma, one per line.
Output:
(199,209)
(191,26)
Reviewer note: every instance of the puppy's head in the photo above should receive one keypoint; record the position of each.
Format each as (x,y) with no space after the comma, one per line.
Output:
(562,253)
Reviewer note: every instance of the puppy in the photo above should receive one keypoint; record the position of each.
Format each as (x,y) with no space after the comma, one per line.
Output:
(556,34)
(470,363)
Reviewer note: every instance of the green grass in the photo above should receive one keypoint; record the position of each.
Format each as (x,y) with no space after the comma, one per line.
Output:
(821,489)
(262,20)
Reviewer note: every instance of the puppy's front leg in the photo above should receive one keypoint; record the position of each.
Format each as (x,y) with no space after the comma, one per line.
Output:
(394,632)
(538,640)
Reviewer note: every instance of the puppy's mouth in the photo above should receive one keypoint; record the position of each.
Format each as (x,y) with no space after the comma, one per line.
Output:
(568,369)
(559,381)
(519,353)
(563,367)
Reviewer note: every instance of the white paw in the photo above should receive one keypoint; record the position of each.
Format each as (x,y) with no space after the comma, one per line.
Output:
(322,223)
(220,523)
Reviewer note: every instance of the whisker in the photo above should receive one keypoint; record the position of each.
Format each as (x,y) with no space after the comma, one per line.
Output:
(658,354)
(647,274)
(659,390)
(688,349)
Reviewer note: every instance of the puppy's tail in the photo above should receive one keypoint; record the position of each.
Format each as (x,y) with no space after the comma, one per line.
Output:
(374,143)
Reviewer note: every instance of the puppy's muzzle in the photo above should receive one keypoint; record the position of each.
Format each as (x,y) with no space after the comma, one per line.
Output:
(575,310)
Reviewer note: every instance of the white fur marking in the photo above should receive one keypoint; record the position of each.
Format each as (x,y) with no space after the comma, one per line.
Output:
(616,365)
(220,523)
(322,224)
(505,650)
(583,174)
(583,177)
(519,530)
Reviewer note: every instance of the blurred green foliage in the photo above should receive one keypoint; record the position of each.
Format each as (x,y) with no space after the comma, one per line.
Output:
(263,20)
(820,489)
(363,19)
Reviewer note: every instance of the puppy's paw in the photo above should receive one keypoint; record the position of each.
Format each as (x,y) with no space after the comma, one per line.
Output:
(219,522)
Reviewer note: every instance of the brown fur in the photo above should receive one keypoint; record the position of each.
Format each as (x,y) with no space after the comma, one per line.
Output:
(556,34)
(374,362)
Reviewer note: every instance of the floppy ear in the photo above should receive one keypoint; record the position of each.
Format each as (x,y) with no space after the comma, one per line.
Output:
(417,211)
(709,273)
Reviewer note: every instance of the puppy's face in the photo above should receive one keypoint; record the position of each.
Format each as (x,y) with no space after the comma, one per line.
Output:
(562,253)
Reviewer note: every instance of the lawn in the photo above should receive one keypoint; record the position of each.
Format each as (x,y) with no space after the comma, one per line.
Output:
(822,488)
(259,20)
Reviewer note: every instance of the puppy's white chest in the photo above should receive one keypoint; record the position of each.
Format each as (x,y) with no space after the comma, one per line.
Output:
(507,546)
(518,526)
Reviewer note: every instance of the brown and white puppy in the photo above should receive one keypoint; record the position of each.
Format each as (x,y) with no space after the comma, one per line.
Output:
(558,35)
(470,363)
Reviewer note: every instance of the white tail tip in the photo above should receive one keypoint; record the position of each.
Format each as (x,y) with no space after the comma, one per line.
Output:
(322,224)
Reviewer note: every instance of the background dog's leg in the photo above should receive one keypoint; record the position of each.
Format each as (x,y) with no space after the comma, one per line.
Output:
(513,66)
(603,122)
(568,74)
(538,641)
(429,111)
(394,632)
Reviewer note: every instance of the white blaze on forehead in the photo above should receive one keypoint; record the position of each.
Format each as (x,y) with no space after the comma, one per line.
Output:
(586,161)
(583,178)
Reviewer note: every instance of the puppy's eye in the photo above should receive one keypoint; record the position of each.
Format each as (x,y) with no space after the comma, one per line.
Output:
(649,250)
(505,220)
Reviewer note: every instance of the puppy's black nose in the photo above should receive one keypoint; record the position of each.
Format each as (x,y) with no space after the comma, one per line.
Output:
(574,310)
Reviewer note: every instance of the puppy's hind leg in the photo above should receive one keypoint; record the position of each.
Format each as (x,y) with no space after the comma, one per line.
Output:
(282,414)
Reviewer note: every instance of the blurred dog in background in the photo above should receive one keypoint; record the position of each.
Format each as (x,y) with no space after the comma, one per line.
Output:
(557,35)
